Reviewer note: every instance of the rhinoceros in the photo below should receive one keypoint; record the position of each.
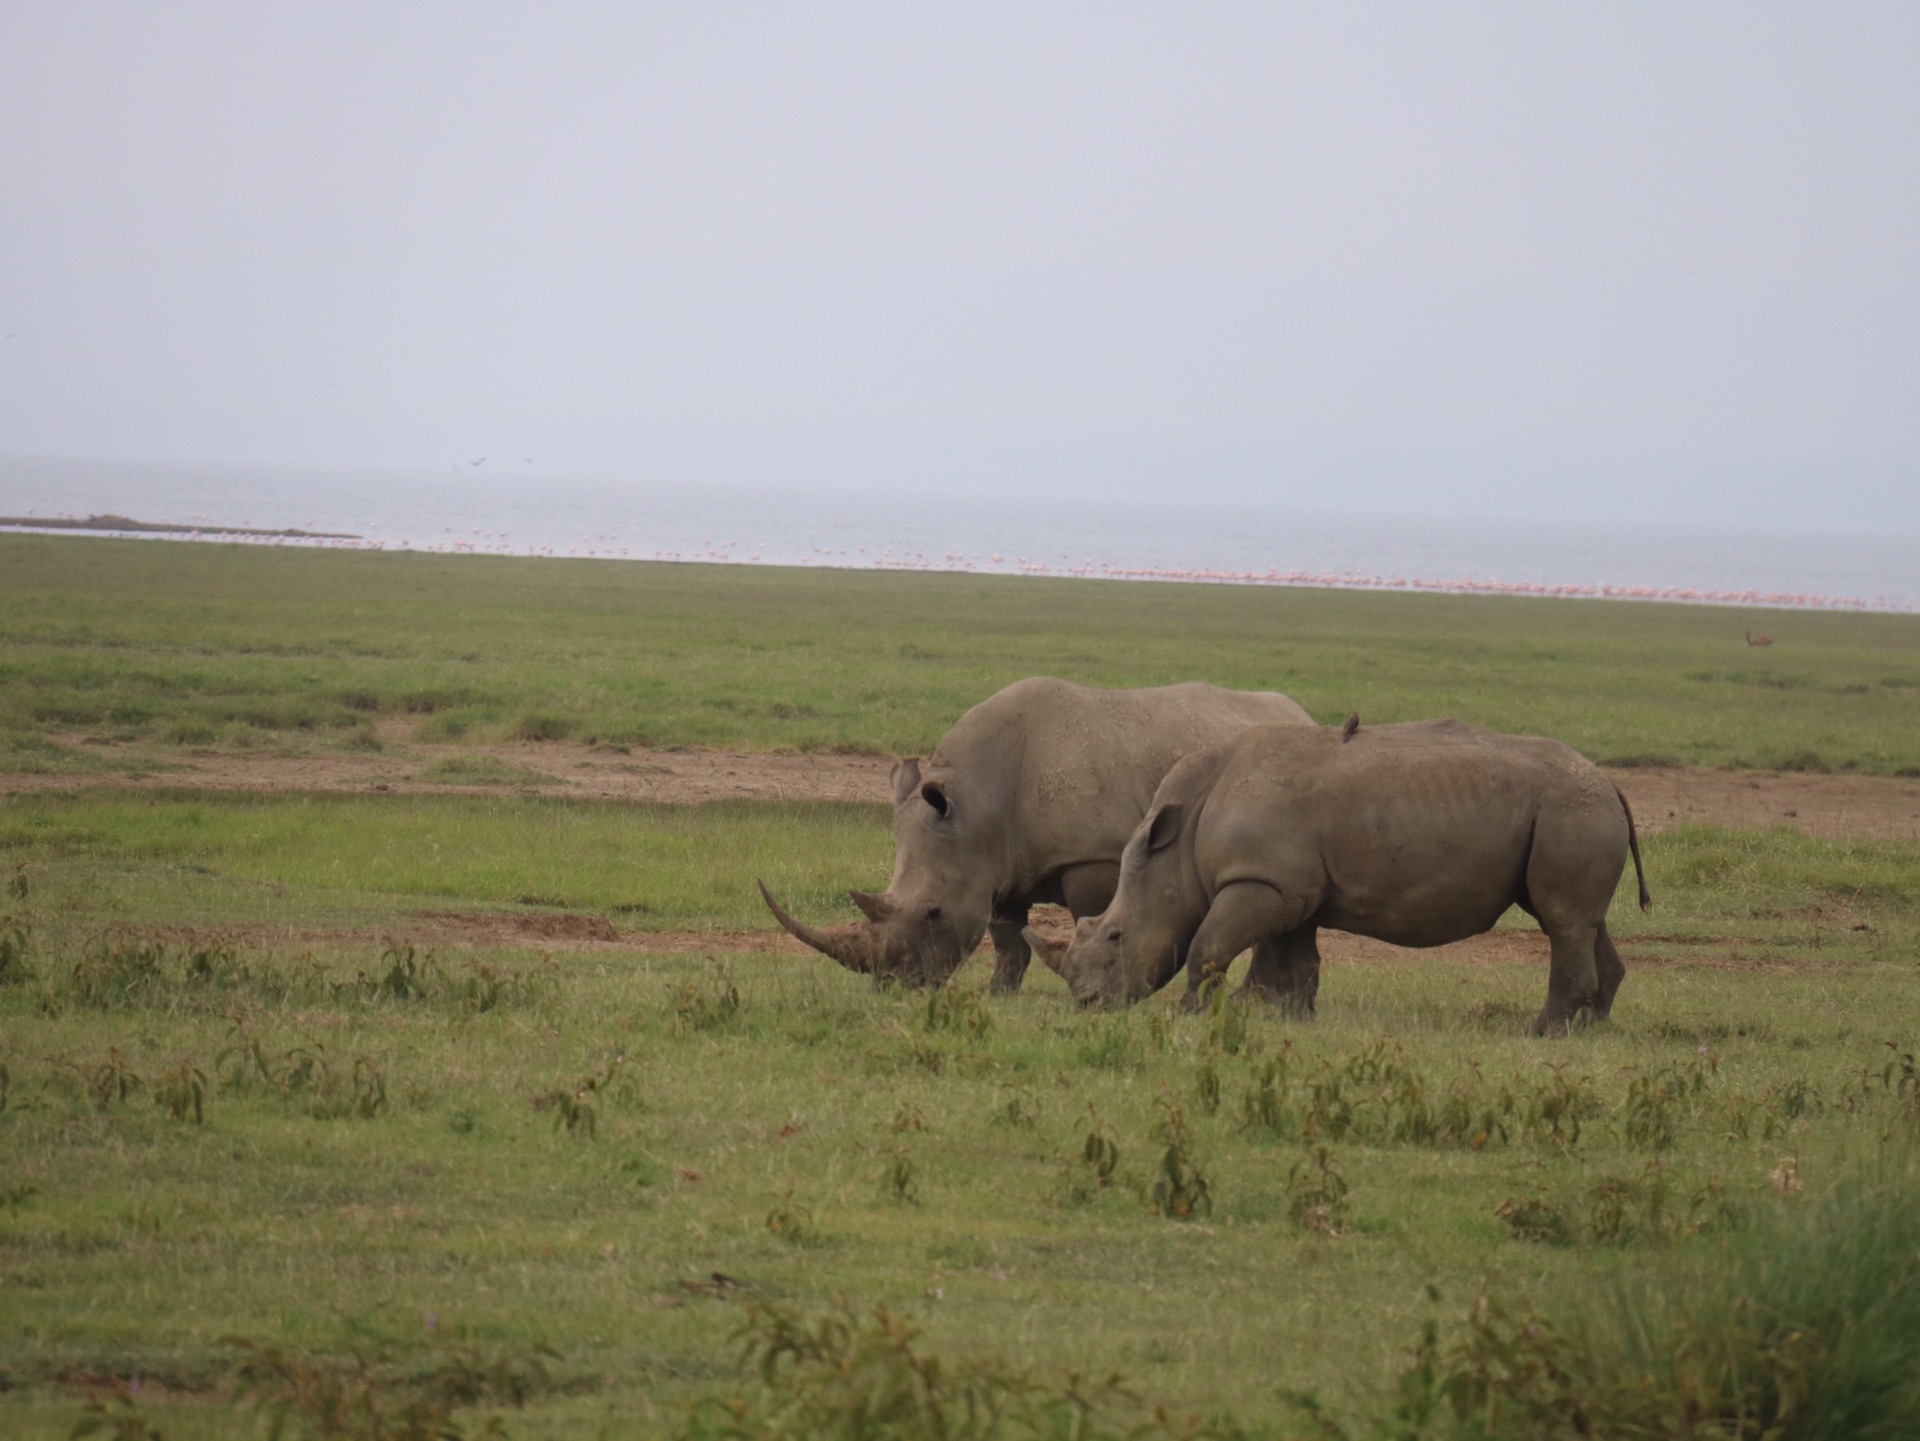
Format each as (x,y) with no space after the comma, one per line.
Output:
(1418,834)
(1028,799)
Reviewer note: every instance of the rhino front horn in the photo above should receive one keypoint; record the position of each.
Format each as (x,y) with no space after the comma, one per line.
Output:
(853,946)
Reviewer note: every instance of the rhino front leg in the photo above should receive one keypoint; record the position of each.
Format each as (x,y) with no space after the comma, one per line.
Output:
(1243,915)
(1573,979)
(1286,972)
(1011,953)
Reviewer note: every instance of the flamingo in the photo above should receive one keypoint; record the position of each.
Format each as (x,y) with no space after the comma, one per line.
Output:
(1753,639)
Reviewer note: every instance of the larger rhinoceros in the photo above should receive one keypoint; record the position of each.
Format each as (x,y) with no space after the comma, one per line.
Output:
(1416,834)
(1028,799)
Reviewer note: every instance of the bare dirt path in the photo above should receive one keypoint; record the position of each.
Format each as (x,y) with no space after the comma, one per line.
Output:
(668,777)
(1865,807)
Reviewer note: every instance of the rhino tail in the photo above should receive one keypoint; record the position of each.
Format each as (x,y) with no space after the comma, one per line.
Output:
(1633,844)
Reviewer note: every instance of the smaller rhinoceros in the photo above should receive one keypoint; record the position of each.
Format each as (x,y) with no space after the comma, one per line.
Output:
(1027,800)
(1416,834)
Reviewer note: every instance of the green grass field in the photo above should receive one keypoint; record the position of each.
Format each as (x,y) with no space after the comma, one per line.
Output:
(150,642)
(272,1147)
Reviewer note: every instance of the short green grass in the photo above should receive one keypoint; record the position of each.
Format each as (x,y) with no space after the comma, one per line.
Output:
(137,644)
(470,1152)
(481,770)
(257,1111)
(262,859)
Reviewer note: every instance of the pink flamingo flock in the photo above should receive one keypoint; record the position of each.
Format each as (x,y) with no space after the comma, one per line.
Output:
(607,546)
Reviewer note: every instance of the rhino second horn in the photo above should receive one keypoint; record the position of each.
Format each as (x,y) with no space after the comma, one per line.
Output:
(852,946)
(1050,952)
(874,908)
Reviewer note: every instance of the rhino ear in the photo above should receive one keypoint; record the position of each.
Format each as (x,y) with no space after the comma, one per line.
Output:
(1163,826)
(906,779)
(934,796)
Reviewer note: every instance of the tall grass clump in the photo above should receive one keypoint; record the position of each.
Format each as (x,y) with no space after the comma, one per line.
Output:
(1801,1329)
(848,1376)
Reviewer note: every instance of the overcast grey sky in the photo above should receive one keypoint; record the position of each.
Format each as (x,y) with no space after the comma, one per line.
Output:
(1650,262)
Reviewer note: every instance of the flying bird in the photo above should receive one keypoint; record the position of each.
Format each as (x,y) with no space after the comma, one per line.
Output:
(481,461)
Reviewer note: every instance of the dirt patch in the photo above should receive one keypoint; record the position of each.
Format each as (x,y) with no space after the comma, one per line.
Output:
(504,928)
(500,928)
(1529,948)
(1865,807)
(584,931)
(558,768)
(1831,807)
(1495,948)
(481,929)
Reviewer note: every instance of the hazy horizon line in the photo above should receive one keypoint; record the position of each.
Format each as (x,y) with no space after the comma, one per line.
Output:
(1196,493)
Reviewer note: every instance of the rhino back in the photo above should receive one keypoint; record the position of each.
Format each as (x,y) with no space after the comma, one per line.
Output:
(1075,766)
(1417,833)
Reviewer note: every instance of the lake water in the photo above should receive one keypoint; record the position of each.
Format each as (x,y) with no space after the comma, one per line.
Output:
(499,512)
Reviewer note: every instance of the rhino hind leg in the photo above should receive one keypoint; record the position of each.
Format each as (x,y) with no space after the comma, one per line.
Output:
(1610,972)
(1573,979)
(1011,953)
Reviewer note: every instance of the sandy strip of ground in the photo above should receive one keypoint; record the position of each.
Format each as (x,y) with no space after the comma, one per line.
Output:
(1865,807)
(452,933)
(1839,806)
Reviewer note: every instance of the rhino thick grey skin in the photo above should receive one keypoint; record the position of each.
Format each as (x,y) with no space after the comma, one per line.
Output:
(1417,834)
(1028,799)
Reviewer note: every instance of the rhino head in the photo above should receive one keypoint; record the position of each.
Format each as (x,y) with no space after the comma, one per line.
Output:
(935,910)
(1132,949)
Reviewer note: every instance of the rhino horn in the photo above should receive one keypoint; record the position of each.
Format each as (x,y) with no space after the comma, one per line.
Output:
(874,908)
(1052,953)
(853,946)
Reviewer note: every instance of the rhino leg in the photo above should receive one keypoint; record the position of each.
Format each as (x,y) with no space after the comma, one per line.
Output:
(1573,979)
(1611,971)
(1264,971)
(1286,972)
(1011,953)
(1087,890)
(1084,890)
(1243,915)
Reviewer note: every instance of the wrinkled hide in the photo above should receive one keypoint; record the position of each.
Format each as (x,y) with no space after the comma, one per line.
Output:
(1029,799)
(1416,834)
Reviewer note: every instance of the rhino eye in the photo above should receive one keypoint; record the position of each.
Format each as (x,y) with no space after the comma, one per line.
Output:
(933,913)
(1114,933)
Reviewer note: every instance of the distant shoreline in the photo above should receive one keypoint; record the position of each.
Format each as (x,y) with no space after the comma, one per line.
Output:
(112,524)
(157,527)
